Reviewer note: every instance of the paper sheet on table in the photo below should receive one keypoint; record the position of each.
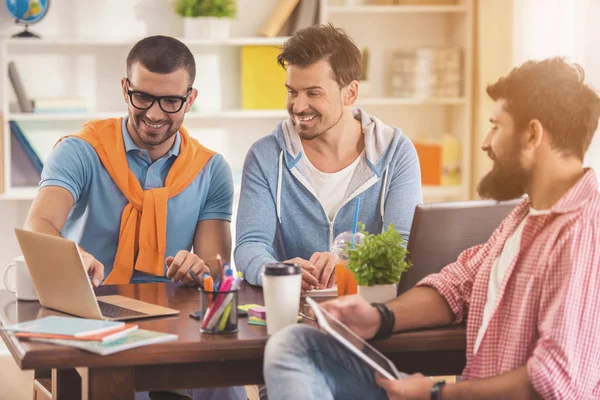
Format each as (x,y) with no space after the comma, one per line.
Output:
(330,292)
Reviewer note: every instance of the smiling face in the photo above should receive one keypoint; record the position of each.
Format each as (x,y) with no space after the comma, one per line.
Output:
(315,100)
(153,128)
(508,178)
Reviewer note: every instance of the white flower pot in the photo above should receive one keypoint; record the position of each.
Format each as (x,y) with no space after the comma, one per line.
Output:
(207,28)
(378,293)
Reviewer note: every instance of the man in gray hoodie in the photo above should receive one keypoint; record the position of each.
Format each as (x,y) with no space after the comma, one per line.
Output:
(300,182)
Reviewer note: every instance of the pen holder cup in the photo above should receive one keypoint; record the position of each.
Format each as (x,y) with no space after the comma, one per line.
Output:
(219,312)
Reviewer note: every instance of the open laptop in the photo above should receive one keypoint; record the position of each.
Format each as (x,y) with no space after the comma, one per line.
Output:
(62,283)
(441,231)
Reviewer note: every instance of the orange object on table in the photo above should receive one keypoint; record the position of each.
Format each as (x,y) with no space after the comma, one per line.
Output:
(430,160)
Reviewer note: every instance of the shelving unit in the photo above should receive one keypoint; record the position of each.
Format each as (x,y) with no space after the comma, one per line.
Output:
(50,45)
(396,9)
(94,67)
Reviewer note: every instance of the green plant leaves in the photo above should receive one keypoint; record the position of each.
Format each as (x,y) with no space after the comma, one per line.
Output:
(206,8)
(380,259)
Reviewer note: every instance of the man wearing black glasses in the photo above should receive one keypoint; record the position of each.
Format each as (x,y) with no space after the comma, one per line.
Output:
(136,193)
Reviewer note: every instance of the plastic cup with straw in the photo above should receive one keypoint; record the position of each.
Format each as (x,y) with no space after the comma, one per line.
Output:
(346,284)
(355,224)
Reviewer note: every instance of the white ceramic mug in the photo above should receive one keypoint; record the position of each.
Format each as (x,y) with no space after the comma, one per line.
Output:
(23,288)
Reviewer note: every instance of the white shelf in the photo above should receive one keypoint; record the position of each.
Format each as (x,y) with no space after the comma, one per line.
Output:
(233,114)
(399,101)
(49,43)
(394,9)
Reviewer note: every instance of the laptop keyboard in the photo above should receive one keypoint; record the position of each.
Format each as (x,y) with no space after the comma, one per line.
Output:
(113,311)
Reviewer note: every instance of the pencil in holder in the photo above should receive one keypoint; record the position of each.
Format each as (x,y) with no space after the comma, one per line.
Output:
(219,311)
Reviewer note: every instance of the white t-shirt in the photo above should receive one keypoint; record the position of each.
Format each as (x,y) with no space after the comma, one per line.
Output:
(499,268)
(331,188)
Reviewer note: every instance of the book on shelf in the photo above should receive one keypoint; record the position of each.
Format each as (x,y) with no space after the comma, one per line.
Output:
(69,326)
(22,140)
(54,105)
(278,18)
(307,14)
(26,166)
(140,337)
(17,84)
(263,80)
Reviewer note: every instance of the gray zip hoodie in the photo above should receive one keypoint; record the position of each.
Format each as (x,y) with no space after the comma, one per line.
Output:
(280,216)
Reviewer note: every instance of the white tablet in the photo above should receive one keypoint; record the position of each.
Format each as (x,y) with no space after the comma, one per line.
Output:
(355,343)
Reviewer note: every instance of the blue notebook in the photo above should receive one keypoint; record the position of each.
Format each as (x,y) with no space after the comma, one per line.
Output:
(24,142)
(64,326)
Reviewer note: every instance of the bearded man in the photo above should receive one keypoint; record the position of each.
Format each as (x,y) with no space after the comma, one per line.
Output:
(529,296)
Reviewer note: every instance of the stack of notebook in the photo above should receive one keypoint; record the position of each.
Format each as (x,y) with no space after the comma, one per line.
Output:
(96,336)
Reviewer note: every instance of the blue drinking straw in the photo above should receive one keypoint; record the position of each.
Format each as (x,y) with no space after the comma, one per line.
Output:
(355,225)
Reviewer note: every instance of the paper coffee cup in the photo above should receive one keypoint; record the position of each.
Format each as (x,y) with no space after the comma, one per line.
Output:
(281,290)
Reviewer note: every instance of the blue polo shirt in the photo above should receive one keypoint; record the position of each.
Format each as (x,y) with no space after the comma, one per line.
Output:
(95,219)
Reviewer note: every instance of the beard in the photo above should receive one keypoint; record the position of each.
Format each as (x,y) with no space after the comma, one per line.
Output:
(506,181)
(149,138)
(305,131)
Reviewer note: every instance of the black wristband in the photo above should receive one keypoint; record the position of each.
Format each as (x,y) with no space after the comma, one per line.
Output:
(388,320)
(436,390)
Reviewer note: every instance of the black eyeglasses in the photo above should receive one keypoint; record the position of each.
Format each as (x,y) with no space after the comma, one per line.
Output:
(143,100)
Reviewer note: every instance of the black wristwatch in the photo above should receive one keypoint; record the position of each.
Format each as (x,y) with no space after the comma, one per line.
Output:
(388,320)
(436,390)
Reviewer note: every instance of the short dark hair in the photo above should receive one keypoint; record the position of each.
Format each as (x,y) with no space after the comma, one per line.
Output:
(553,92)
(162,55)
(324,42)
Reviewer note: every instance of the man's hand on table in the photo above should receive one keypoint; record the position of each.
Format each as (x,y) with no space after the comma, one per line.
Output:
(179,266)
(324,264)
(94,268)
(309,274)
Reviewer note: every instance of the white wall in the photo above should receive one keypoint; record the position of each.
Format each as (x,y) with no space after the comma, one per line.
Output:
(12,214)
(545,28)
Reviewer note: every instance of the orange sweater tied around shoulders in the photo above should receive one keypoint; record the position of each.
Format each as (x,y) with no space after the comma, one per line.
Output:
(143,229)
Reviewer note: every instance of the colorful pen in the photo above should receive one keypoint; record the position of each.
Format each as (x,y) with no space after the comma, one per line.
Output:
(209,288)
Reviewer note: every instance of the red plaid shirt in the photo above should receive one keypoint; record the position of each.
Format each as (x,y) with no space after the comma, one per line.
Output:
(547,312)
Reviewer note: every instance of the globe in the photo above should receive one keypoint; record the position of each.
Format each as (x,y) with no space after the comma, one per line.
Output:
(27,12)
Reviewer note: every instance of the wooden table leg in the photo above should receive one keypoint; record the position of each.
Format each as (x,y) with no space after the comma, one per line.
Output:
(66,384)
(107,383)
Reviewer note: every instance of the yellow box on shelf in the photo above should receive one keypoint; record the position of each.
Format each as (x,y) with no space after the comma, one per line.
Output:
(263,80)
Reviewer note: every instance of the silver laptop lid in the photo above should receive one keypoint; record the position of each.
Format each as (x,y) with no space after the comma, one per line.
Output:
(441,231)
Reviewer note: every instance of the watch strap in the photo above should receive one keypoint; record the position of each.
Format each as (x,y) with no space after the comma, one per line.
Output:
(436,390)
(388,320)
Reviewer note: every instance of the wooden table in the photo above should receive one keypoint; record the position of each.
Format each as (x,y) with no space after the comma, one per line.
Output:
(194,360)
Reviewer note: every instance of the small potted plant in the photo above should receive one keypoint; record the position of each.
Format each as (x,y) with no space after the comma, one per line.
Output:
(378,263)
(206,19)
(364,87)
